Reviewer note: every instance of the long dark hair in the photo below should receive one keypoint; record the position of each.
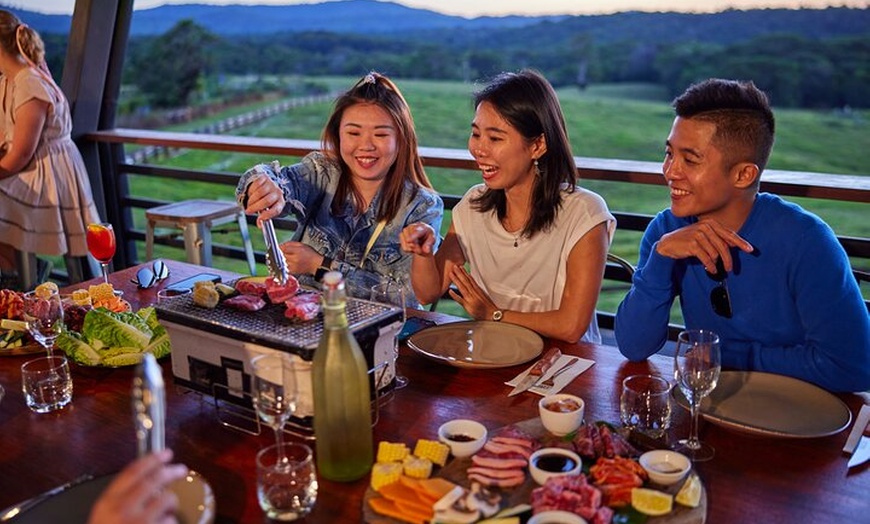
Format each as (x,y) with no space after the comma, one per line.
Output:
(375,88)
(528,102)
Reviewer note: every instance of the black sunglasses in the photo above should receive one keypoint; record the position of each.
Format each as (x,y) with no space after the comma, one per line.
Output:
(719,297)
(149,276)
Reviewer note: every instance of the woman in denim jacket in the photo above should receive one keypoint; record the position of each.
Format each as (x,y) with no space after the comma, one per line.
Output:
(353,198)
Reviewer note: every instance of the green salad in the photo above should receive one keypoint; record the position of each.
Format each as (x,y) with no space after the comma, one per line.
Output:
(115,339)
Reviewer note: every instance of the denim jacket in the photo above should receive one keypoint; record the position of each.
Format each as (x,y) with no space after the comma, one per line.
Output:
(309,188)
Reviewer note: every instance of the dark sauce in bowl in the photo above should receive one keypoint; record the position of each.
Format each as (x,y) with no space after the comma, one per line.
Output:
(555,463)
(461,437)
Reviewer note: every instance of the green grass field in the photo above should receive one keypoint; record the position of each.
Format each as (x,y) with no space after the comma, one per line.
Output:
(625,121)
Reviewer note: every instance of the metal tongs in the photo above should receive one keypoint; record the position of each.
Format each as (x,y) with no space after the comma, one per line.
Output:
(275,260)
(149,406)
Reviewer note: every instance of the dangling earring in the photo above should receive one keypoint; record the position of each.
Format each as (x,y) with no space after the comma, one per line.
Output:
(537,169)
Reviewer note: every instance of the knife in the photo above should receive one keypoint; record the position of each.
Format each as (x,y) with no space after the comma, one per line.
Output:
(537,371)
(16,510)
(862,453)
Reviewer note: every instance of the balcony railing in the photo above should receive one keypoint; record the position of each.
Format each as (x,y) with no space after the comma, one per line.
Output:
(114,166)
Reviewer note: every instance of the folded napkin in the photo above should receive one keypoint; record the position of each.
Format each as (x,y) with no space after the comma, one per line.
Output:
(579,366)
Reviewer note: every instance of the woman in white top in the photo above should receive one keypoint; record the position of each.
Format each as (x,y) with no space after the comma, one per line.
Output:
(535,243)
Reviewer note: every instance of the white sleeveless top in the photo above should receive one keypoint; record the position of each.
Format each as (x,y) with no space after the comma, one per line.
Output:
(531,276)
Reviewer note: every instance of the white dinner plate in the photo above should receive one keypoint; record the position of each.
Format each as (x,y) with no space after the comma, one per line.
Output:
(772,405)
(195,498)
(478,344)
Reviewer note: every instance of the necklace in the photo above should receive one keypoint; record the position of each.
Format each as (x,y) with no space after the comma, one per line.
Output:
(516,241)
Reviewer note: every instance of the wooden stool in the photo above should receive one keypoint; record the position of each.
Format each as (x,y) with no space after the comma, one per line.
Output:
(196,218)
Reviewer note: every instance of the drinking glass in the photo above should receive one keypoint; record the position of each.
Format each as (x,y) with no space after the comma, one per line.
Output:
(46,384)
(274,390)
(393,293)
(645,405)
(43,312)
(286,481)
(101,244)
(697,363)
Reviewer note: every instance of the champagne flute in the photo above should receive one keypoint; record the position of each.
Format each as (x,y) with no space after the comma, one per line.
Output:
(274,391)
(43,312)
(697,363)
(393,293)
(101,244)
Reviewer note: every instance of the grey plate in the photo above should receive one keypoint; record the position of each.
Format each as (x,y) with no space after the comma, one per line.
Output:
(478,344)
(195,497)
(772,405)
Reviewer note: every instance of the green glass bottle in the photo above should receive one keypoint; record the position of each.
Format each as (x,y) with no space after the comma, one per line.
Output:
(342,399)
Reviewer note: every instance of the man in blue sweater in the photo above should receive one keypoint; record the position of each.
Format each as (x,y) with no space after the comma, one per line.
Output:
(768,277)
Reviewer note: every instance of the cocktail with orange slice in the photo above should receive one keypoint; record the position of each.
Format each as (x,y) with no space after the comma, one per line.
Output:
(101,244)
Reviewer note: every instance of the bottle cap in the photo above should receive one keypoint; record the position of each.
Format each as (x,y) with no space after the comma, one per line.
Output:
(332,278)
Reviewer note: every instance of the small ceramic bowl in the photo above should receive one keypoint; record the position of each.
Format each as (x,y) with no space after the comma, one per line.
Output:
(665,467)
(465,437)
(556,517)
(561,413)
(553,462)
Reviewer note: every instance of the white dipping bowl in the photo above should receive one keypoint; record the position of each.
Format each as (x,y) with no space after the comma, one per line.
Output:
(542,464)
(556,517)
(472,436)
(665,467)
(563,420)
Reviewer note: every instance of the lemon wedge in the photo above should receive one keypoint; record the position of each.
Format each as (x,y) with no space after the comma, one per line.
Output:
(690,494)
(651,502)
(13,325)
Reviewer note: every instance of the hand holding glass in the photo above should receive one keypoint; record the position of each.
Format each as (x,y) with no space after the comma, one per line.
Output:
(697,363)
(392,293)
(274,390)
(43,312)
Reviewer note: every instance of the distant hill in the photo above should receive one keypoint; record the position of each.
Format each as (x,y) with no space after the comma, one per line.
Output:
(370,17)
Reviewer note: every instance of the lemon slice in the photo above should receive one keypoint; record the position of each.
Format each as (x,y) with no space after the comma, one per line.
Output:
(13,325)
(651,502)
(690,494)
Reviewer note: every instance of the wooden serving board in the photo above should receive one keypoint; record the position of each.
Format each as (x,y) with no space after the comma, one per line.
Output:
(26,349)
(454,471)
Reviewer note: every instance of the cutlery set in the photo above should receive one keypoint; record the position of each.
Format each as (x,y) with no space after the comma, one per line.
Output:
(858,445)
(535,376)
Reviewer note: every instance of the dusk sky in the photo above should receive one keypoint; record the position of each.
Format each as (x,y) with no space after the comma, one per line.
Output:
(499,7)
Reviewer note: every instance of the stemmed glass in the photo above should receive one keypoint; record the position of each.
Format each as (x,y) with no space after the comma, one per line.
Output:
(392,293)
(43,312)
(101,244)
(697,364)
(274,391)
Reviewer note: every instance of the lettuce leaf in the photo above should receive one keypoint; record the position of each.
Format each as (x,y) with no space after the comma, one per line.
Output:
(104,328)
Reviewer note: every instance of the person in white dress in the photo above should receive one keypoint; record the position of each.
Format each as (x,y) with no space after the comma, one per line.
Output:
(46,201)
(535,243)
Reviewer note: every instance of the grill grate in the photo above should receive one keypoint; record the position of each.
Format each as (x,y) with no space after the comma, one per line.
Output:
(269,325)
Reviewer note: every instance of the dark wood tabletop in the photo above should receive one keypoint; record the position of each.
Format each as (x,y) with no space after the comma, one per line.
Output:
(751,478)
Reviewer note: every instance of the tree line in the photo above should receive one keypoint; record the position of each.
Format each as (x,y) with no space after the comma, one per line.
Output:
(170,69)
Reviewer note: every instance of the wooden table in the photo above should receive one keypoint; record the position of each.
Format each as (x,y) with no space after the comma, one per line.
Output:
(751,479)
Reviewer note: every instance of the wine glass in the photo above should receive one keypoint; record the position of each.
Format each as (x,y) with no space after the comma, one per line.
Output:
(43,312)
(101,244)
(392,293)
(274,391)
(697,364)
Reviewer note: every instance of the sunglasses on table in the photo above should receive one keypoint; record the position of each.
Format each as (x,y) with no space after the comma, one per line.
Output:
(719,297)
(147,277)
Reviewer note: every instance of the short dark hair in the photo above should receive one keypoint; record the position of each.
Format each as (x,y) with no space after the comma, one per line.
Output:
(530,104)
(741,113)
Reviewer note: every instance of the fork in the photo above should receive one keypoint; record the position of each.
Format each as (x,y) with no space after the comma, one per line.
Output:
(550,382)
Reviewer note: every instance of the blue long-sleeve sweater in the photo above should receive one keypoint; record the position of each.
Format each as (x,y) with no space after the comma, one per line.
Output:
(797,308)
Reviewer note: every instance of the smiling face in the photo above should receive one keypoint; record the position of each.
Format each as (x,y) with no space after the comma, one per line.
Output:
(368,142)
(503,155)
(700,183)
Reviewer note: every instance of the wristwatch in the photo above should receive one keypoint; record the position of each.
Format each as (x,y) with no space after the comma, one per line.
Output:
(325,267)
(497,315)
